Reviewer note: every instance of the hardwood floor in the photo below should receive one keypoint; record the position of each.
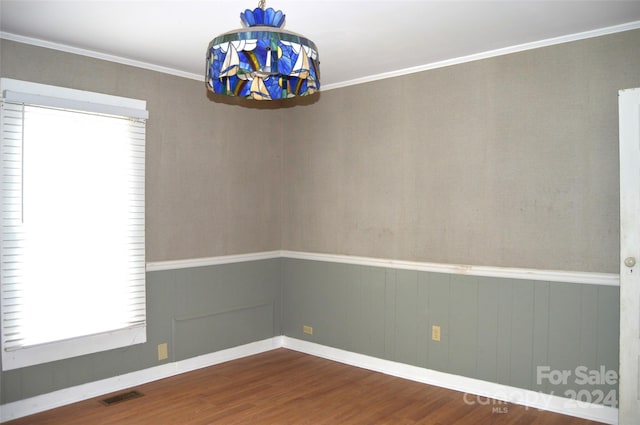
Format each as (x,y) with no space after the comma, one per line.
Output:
(288,387)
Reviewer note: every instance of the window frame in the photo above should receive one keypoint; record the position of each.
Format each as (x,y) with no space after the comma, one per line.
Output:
(16,91)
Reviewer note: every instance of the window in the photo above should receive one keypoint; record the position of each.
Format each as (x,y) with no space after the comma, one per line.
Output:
(72,235)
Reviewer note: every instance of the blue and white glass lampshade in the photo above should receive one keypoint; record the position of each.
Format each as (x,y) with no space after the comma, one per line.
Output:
(262,61)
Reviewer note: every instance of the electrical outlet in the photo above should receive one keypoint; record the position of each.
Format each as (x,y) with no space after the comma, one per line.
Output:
(435,333)
(307,329)
(163,351)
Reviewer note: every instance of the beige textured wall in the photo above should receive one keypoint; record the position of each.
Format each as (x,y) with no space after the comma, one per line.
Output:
(509,161)
(213,184)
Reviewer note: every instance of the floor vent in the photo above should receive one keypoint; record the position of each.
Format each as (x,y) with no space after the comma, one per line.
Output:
(119,398)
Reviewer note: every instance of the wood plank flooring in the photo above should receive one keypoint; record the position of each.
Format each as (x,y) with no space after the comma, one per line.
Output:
(288,387)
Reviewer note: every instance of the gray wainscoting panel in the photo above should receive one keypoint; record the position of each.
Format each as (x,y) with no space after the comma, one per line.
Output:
(463,334)
(521,333)
(223,306)
(564,333)
(370,302)
(487,326)
(195,311)
(541,324)
(495,329)
(438,303)
(202,334)
(406,310)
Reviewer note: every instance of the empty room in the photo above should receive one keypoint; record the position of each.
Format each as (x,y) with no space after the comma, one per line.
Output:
(328,212)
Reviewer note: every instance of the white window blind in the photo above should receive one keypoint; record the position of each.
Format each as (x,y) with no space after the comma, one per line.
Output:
(72,234)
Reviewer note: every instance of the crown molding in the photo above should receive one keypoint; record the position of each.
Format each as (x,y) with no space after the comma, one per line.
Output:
(405,71)
(488,54)
(99,55)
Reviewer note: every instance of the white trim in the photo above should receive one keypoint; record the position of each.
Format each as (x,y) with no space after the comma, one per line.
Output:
(67,348)
(155,266)
(470,386)
(454,61)
(463,384)
(587,278)
(629,151)
(30,406)
(486,55)
(129,329)
(99,55)
(66,103)
(17,90)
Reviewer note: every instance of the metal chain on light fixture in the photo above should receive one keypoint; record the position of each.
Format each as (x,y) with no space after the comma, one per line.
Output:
(262,4)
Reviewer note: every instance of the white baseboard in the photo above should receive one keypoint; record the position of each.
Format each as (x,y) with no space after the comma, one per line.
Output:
(30,406)
(470,386)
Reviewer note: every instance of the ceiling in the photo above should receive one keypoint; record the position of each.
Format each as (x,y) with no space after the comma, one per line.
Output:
(357,40)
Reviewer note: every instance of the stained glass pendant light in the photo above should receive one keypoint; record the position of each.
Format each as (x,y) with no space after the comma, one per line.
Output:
(262,61)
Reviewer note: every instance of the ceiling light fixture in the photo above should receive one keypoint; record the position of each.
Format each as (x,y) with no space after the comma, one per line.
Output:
(262,61)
